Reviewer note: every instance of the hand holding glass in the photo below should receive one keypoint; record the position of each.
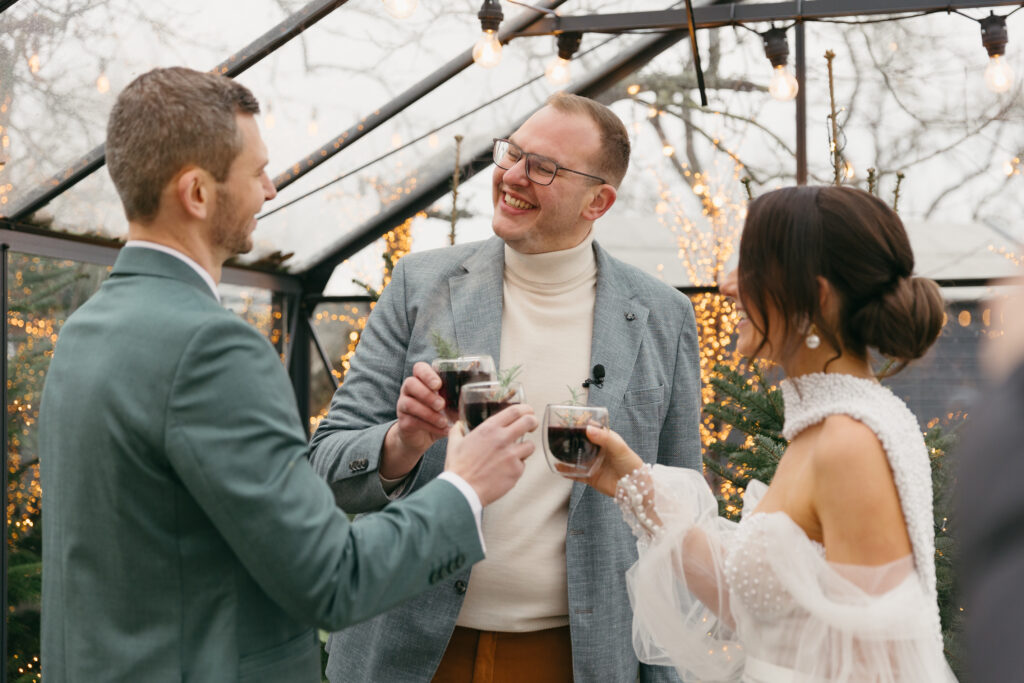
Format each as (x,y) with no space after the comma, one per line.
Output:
(457,372)
(564,434)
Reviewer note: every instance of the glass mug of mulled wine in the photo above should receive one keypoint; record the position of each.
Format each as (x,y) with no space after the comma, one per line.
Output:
(480,400)
(456,373)
(564,435)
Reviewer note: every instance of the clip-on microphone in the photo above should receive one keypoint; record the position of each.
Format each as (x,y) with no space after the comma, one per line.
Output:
(596,378)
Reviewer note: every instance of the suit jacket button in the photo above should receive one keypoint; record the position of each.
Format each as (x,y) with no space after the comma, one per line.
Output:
(460,587)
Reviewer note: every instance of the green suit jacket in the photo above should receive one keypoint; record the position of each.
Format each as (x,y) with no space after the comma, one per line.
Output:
(185,535)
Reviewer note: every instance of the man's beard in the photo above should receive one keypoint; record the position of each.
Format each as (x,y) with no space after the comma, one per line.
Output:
(230,226)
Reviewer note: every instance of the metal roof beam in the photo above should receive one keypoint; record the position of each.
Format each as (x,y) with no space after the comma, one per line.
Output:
(736,13)
(230,67)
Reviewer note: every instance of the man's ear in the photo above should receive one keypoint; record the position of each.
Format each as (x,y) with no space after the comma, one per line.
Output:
(193,189)
(600,202)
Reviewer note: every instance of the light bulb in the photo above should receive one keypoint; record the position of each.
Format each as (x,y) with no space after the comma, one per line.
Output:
(103,83)
(998,75)
(783,86)
(400,9)
(558,71)
(487,51)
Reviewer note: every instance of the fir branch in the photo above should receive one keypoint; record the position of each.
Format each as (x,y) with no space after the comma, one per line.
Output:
(507,376)
(373,292)
(444,347)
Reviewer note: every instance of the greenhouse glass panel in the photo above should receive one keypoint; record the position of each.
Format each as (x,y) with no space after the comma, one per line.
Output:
(64,63)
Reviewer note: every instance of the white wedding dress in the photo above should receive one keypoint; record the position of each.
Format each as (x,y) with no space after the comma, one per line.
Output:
(756,601)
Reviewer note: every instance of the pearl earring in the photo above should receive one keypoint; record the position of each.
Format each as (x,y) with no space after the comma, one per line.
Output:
(813,341)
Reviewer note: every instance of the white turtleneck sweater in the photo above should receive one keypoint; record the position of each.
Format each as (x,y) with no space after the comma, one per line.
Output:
(546,327)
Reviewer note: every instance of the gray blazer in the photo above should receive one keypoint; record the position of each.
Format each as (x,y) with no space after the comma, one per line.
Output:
(644,335)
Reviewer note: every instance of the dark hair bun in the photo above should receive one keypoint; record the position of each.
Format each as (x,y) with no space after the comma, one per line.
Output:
(903,322)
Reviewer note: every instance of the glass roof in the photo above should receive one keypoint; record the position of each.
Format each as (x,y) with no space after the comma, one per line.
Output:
(912,95)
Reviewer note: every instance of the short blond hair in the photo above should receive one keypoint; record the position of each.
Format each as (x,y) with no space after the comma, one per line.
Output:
(613,159)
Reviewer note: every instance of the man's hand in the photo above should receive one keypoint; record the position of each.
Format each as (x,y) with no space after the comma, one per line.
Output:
(421,422)
(490,458)
(619,460)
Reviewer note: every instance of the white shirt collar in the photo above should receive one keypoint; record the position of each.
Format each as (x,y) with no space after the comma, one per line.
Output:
(207,278)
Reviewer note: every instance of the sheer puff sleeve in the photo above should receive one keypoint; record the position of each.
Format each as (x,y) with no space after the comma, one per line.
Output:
(758,602)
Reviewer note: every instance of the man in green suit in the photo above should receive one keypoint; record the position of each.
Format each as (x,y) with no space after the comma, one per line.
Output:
(185,536)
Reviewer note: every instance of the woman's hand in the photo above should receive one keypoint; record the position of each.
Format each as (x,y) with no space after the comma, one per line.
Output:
(619,460)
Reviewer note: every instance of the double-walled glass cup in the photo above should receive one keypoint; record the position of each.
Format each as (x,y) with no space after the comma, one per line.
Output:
(480,400)
(564,434)
(456,373)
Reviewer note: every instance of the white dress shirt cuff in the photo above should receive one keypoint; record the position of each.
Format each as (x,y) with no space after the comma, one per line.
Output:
(471,498)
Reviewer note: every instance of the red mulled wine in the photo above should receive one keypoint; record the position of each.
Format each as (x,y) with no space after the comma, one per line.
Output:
(452,382)
(570,445)
(479,411)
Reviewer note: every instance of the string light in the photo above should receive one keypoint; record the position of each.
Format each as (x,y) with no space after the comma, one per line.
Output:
(103,83)
(400,9)
(998,74)
(784,85)
(558,71)
(487,51)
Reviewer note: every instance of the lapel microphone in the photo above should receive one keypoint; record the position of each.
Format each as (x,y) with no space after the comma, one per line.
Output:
(597,377)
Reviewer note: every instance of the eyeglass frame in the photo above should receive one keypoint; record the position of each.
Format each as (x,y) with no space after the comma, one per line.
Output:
(530,155)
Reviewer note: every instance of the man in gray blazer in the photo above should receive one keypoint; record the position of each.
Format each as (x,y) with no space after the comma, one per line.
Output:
(185,536)
(550,602)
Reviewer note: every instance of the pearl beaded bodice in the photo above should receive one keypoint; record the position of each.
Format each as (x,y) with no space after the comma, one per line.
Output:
(809,399)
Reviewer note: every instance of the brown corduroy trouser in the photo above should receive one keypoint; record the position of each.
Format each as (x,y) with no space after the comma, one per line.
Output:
(500,657)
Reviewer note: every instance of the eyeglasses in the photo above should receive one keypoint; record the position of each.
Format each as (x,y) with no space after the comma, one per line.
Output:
(540,170)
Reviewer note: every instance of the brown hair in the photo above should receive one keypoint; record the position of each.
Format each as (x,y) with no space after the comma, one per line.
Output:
(859,245)
(614,157)
(167,119)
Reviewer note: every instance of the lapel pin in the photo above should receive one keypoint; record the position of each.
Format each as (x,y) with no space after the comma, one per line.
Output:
(631,316)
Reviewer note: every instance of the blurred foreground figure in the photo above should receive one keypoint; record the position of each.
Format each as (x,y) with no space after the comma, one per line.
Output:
(185,536)
(990,511)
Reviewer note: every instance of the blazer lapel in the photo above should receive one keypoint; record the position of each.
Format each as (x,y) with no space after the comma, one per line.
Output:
(620,323)
(476,300)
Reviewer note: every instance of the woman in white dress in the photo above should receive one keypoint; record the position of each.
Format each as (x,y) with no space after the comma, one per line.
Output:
(830,574)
